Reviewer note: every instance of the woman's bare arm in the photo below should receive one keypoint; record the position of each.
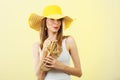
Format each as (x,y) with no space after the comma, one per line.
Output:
(36,58)
(72,47)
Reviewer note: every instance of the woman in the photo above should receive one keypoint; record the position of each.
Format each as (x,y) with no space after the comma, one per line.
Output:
(50,25)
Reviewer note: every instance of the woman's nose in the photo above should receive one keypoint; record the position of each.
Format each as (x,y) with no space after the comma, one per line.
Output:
(56,21)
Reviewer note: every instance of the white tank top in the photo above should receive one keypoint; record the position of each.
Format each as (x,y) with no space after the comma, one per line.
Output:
(65,59)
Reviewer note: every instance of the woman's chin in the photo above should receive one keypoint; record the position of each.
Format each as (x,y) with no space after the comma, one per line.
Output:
(55,31)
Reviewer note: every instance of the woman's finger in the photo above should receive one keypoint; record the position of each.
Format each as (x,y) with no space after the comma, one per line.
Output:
(47,62)
(49,66)
(50,57)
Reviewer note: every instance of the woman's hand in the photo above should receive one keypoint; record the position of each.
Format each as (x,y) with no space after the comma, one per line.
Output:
(52,63)
(47,42)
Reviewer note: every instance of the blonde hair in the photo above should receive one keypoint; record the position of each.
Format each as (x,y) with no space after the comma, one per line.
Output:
(44,34)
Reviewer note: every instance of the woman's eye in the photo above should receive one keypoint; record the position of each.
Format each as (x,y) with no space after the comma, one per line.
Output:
(52,19)
(60,19)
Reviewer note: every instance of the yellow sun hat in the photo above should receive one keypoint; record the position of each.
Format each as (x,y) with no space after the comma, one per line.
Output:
(51,11)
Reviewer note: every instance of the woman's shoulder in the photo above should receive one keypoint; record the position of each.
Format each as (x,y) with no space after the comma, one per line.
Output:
(69,41)
(35,50)
(36,46)
(68,38)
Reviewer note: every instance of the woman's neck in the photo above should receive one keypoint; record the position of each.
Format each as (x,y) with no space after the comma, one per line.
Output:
(52,36)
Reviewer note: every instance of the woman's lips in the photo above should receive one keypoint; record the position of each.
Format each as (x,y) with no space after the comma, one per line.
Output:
(55,27)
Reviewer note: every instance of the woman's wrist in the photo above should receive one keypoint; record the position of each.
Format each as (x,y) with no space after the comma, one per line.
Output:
(61,66)
(41,75)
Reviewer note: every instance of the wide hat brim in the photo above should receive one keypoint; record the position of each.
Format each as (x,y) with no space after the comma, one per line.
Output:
(35,20)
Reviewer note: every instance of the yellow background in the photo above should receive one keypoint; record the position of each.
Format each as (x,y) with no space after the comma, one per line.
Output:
(96,31)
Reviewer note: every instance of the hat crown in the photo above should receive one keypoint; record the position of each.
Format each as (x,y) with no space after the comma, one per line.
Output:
(52,10)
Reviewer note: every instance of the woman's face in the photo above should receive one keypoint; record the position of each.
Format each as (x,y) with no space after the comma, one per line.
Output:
(53,25)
